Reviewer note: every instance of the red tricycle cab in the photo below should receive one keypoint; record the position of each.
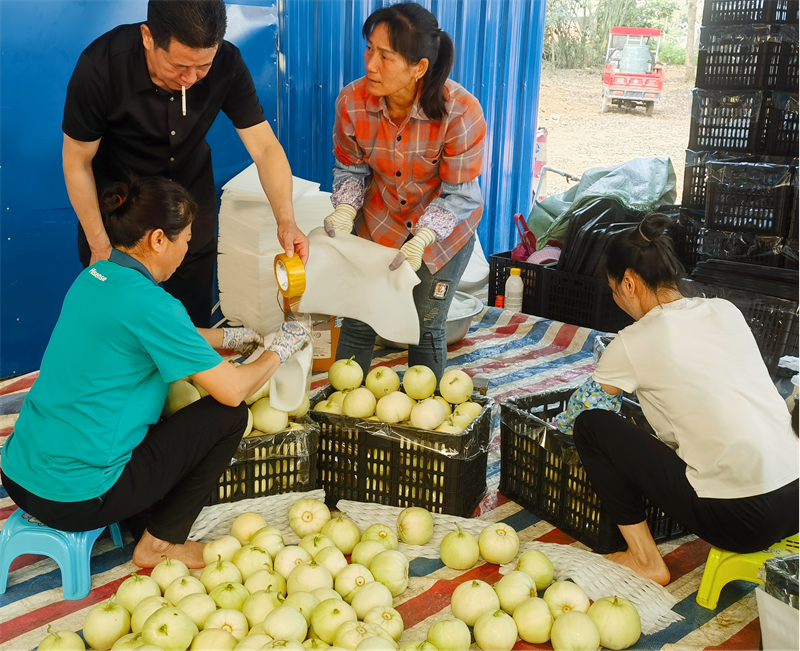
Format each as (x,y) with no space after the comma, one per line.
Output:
(632,75)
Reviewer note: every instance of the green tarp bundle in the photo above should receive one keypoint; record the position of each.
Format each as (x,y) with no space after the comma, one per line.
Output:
(641,185)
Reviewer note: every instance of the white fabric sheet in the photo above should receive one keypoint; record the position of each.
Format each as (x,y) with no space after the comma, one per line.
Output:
(349,276)
(290,383)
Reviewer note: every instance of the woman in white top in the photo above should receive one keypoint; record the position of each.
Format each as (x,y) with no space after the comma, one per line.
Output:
(725,460)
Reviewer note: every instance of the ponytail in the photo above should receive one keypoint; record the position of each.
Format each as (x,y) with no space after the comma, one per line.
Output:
(415,35)
(432,96)
(646,250)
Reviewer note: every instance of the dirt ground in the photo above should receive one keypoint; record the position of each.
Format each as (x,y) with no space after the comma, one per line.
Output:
(580,137)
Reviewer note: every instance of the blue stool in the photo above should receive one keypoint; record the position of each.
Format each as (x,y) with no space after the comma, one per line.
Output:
(23,534)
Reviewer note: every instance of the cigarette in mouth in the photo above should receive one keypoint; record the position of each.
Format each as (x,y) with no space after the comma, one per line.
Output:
(183,99)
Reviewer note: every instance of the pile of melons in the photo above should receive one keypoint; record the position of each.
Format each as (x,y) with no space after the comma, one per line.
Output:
(337,590)
(380,398)
(263,418)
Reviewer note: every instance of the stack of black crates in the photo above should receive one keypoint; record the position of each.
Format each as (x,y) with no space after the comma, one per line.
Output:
(740,184)
(740,188)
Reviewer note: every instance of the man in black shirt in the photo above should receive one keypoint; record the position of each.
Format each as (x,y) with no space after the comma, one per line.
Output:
(141,100)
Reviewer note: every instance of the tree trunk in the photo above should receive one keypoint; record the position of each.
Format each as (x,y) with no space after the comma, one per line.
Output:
(691,19)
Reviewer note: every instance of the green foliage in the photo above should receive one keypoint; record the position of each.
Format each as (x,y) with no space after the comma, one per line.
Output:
(568,33)
(612,13)
(671,52)
(655,14)
(576,31)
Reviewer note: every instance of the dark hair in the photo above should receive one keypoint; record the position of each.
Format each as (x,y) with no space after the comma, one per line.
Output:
(415,35)
(133,209)
(198,24)
(645,249)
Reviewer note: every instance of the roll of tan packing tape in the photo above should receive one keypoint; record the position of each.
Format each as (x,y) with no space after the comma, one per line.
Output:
(291,275)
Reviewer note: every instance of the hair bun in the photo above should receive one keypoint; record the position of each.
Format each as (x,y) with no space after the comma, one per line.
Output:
(654,226)
(114,197)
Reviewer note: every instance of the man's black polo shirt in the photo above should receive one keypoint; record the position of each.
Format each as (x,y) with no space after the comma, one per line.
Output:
(111,97)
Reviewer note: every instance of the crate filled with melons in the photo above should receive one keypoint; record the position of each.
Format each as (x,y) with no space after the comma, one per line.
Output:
(277,454)
(403,444)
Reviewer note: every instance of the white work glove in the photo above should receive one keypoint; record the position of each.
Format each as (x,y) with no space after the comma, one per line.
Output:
(290,338)
(243,340)
(341,219)
(413,249)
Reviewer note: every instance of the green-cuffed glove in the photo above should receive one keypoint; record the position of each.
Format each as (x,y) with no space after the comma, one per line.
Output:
(413,250)
(341,219)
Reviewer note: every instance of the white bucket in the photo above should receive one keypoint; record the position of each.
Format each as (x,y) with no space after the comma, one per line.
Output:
(780,623)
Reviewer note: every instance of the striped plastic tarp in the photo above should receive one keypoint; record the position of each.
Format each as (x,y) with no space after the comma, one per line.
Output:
(518,354)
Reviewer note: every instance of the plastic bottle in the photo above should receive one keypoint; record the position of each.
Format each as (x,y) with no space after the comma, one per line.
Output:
(514,289)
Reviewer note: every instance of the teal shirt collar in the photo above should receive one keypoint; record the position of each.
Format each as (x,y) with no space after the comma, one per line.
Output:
(125,260)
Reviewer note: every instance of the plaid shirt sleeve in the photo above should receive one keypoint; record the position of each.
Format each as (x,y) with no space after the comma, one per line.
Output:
(350,172)
(462,158)
(454,205)
(345,147)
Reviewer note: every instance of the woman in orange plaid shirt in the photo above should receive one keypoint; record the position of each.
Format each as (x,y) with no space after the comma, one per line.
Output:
(409,150)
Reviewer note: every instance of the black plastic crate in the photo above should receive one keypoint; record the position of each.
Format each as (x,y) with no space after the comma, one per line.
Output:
(686,237)
(782,60)
(725,121)
(694,243)
(285,462)
(748,197)
(560,492)
(368,461)
(773,321)
(776,327)
(793,222)
(589,230)
(737,246)
(500,265)
(581,301)
(779,126)
(790,255)
(694,176)
(733,57)
(743,12)
(694,179)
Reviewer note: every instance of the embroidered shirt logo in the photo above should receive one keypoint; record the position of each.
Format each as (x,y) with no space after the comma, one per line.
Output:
(97,275)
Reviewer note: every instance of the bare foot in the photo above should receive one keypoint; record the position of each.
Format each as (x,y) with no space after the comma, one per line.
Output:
(151,550)
(654,570)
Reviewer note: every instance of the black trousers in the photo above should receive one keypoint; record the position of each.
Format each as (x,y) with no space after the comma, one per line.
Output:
(166,482)
(625,464)
(192,283)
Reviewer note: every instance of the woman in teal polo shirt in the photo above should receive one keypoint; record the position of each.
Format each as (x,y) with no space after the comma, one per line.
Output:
(88,449)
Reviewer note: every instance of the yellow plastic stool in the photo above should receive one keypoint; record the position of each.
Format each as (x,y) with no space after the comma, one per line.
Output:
(723,567)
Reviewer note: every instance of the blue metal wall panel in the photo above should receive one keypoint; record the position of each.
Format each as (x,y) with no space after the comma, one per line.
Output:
(498,59)
(41,41)
(301,53)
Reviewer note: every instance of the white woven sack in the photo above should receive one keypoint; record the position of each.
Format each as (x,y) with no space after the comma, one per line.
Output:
(215,521)
(598,576)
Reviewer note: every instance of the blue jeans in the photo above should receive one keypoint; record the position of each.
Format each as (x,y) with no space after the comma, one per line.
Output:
(432,297)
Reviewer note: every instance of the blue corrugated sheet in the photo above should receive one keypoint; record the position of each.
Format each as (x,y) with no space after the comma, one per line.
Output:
(498,59)
(41,42)
(301,53)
